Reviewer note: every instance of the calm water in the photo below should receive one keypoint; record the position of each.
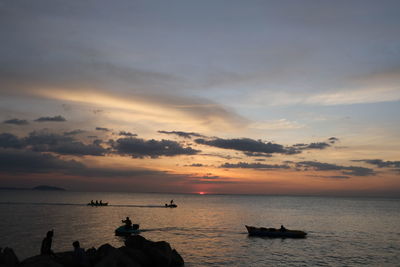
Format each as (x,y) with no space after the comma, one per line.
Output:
(209,230)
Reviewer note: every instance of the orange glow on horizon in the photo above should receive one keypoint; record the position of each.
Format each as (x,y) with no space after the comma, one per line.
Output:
(202,193)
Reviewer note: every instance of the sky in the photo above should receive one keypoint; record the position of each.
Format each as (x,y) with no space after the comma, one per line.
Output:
(222,97)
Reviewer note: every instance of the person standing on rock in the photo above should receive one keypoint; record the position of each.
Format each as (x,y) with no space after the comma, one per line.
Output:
(46,244)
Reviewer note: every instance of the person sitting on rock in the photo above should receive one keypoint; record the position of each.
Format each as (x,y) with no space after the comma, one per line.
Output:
(80,257)
(46,244)
(128,223)
(282,229)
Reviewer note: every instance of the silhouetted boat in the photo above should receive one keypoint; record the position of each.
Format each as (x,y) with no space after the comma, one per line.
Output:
(171,205)
(272,232)
(98,204)
(123,230)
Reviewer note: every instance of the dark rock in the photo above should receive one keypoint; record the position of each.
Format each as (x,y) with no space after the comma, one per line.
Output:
(117,259)
(103,251)
(9,258)
(177,259)
(91,254)
(136,241)
(66,259)
(159,252)
(137,255)
(40,261)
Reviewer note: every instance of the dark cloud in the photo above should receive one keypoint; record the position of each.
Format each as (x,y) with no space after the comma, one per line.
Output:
(58,118)
(247,145)
(16,122)
(182,134)
(8,140)
(346,170)
(34,162)
(43,141)
(257,165)
(123,133)
(381,163)
(257,154)
(210,177)
(25,161)
(74,132)
(102,129)
(333,140)
(318,145)
(196,165)
(137,147)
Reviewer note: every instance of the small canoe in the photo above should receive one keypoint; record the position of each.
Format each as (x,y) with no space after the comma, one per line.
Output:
(171,205)
(122,230)
(272,232)
(97,205)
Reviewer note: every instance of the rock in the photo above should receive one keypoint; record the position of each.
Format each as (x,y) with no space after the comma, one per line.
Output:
(91,254)
(103,251)
(117,259)
(177,259)
(9,258)
(40,261)
(136,241)
(137,255)
(159,252)
(66,259)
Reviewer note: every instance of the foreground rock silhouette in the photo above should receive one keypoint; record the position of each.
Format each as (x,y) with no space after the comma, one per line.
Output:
(137,252)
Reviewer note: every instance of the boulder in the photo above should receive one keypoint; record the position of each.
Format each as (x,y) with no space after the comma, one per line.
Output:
(137,255)
(103,251)
(177,259)
(160,253)
(66,259)
(136,241)
(40,261)
(117,259)
(9,258)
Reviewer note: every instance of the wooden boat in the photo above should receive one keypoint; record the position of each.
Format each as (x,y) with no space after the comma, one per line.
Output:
(272,232)
(98,204)
(171,205)
(123,230)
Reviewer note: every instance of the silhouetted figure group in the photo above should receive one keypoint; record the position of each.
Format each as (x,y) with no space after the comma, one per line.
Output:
(282,229)
(96,203)
(80,257)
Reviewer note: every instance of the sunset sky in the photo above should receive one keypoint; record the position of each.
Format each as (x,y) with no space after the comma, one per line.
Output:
(250,97)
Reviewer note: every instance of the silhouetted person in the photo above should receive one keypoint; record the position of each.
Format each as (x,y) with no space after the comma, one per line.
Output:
(91,202)
(128,223)
(282,229)
(80,257)
(46,244)
(171,202)
(97,203)
(101,203)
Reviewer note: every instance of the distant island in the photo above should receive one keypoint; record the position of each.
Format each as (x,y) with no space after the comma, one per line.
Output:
(38,188)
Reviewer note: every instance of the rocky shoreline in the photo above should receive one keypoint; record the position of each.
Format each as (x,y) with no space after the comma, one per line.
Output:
(137,252)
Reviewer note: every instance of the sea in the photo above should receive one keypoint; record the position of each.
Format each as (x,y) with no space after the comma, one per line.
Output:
(209,230)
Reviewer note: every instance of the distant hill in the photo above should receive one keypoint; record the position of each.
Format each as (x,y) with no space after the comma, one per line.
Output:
(48,188)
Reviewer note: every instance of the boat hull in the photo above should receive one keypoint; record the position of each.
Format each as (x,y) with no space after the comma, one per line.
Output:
(272,232)
(122,230)
(98,205)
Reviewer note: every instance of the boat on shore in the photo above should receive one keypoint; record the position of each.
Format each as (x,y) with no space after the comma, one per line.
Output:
(123,230)
(98,204)
(272,232)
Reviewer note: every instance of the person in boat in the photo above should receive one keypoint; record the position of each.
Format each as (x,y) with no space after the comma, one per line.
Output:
(45,249)
(128,223)
(101,203)
(171,202)
(282,229)
(91,202)
(97,203)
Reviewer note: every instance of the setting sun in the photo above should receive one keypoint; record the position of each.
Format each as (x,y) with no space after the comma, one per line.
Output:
(202,193)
